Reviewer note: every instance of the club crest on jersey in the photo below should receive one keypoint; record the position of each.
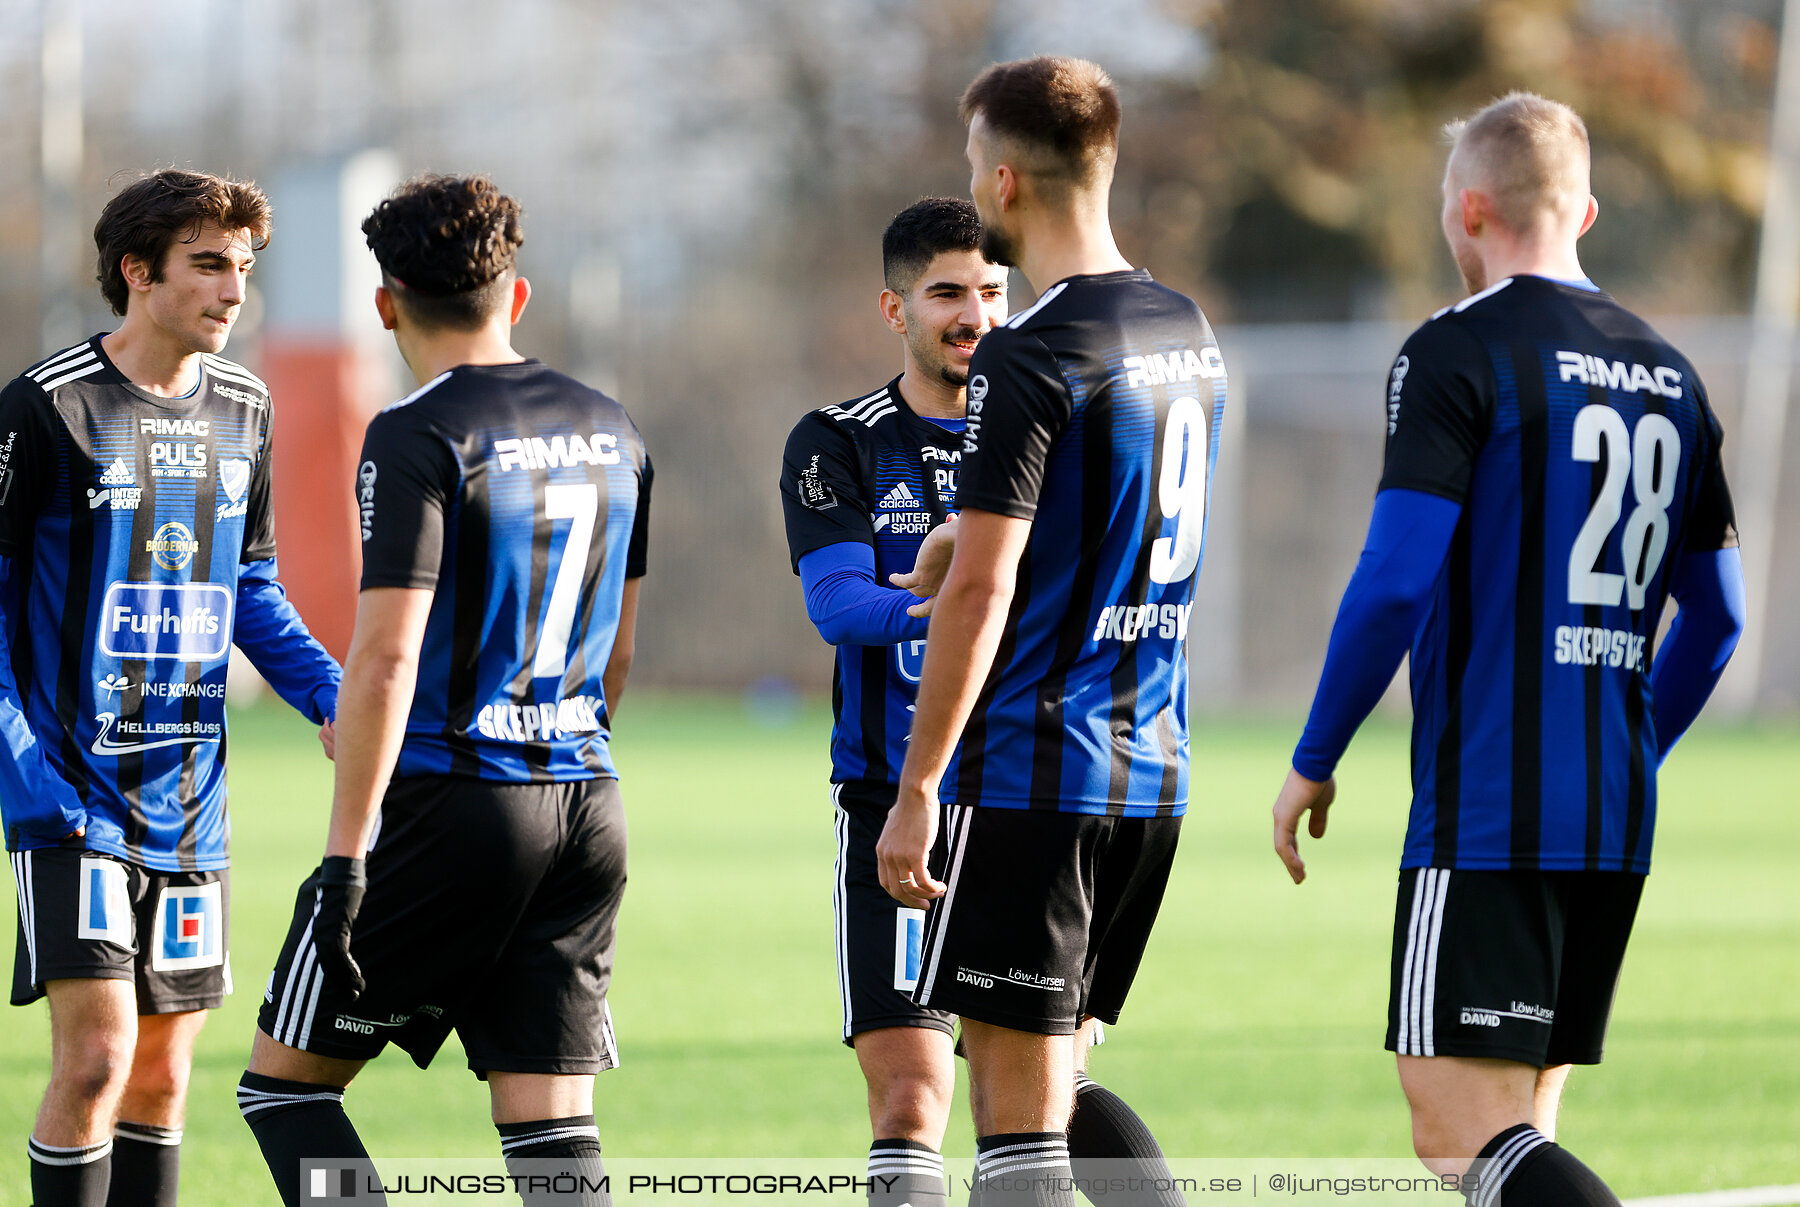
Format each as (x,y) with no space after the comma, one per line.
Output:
(190,929)
(234,480)
(534,452)
(189,622)
(173,546)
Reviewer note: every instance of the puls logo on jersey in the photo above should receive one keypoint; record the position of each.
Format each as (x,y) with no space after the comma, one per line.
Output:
(945,478)
(1185,365)
(178,459)
(1617,375)
(234,480)
(534,452)
(173,546)
(570,718)
(187,622)
(1130,622)
(365,497)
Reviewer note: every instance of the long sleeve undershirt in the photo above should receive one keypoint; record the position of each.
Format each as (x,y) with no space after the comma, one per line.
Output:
(1409,537)
(849,606)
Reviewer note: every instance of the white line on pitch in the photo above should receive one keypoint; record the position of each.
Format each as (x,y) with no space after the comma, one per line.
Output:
(1750,1196)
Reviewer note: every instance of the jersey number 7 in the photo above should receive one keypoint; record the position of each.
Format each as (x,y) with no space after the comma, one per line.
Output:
(579,503)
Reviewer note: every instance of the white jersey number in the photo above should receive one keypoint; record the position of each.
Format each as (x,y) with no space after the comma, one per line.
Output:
(1181,491)
(578,503)
(1649,457)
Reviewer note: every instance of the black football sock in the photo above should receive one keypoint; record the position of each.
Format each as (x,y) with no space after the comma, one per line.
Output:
(146,1165)
(1108,1140)
(555,1161)
(905,1171)
(1024,1169)
(300,1120)
(69,1177)
(1526,1169)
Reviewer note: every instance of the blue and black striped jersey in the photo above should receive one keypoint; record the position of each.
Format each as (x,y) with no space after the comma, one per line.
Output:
(1095,414)
(871,471)
(141,537)
(1586,458)
(521,497)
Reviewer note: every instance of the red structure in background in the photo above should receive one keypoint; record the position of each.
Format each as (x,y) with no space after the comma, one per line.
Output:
(319,388)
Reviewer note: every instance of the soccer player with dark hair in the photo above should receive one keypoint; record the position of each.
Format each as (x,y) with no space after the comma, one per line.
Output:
(1552,478)
(137,545)
(862,483)
(1056,652)
(476,854)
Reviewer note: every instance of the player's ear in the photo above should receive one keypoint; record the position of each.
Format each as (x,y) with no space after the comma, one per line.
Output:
(137,272)
(384,306)
(521,294)
(893,311)
(1593,212)
(1474,212)
(1007,188)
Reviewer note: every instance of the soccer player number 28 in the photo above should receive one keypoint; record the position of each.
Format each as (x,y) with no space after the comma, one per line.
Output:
(1181,491)
(1651,453)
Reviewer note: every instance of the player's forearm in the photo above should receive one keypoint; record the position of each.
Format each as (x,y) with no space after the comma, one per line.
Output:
(276,640)
(1709,592)
(34,797)
(1388,596)
(846,603)
(964,637)
(618,665)
(372,706)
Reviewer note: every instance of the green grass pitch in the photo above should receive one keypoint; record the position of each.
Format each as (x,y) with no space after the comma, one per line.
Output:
(1254,1030)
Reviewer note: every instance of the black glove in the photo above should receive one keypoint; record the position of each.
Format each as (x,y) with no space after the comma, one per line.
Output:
(341,885)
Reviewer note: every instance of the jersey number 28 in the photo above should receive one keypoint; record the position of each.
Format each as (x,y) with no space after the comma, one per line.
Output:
(1649,456)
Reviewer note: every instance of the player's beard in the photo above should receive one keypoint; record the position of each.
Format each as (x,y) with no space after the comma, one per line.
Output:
(932,358)
(998,247)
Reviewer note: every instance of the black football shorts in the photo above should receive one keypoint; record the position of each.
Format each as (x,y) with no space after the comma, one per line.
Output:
(83,914)
(879,940)
(490,910)
(1046,915)
(1510,965)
